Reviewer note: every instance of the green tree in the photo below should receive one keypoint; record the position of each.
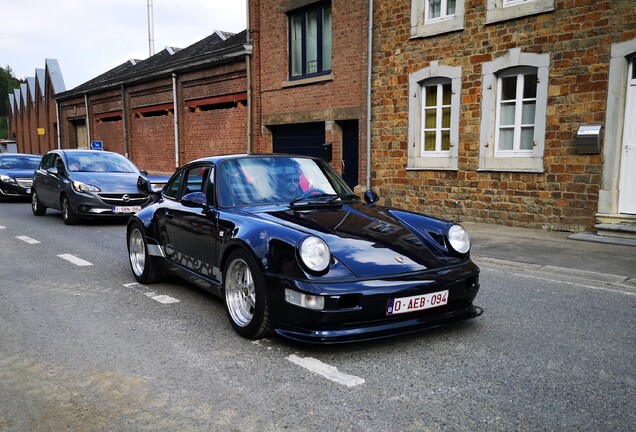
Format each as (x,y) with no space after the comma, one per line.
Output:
(8,82)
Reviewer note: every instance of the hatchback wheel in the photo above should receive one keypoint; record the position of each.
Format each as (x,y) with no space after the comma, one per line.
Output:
(69,216)
(36,205)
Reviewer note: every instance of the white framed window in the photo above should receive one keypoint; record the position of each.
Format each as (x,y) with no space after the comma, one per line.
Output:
(436,117)
(433,17)
(436,10)
(515,112)
(434,107)
(514,109)
(502,10)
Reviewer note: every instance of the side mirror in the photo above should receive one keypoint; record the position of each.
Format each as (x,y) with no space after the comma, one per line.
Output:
(143,185)
(194,200)
(370,197)
(52,170)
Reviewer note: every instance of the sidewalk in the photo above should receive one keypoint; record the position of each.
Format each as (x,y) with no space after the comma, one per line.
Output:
(551,249)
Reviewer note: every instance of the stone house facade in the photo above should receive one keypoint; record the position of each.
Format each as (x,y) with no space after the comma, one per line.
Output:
(514,112)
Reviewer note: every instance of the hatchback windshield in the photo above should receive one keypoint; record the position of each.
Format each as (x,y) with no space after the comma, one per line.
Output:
(99,162)
(254,180)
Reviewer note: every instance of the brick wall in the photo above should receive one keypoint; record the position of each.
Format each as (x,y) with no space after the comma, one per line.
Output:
(578,37)
(279,101)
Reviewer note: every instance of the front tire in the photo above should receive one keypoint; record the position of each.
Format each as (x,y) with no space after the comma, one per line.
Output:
(245,297)
(69,216)
(141,264)
(36,205)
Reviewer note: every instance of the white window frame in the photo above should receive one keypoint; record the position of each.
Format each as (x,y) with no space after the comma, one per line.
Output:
(517,125)
(420,27)
(438,160)
(489,158)
(503,10)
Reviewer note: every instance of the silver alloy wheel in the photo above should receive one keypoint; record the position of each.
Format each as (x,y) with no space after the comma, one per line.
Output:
(137,252)
(240,293)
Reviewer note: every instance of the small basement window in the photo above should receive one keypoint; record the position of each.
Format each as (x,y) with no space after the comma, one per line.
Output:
(159,110)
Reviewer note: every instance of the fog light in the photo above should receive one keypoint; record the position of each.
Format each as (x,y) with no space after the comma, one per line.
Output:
(308,301)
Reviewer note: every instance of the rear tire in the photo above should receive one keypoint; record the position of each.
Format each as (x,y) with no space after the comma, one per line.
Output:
(141,264)
(36,205)
(245,298)
(69,216)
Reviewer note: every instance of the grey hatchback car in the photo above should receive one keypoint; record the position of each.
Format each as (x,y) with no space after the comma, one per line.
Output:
(89,184)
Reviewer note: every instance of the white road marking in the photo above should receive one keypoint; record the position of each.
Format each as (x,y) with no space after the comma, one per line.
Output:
(327,371)
(153,295)
(1,227)
(26,239)
(75,260)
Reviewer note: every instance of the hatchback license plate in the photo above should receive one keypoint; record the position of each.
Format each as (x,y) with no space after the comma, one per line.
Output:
(414,303)
(126,209)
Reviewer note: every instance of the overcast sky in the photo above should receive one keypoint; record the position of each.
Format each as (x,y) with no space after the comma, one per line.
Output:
(90,37)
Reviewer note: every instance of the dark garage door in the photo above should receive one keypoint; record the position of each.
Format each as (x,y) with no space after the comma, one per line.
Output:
(305,138)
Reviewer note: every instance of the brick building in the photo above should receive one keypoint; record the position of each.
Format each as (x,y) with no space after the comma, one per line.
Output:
(487,110)
(162,112)
(32,119)
(309,78)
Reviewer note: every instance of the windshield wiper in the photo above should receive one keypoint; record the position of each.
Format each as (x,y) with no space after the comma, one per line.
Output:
(318,198)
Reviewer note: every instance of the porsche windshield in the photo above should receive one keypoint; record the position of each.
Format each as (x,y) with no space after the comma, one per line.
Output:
(278,179)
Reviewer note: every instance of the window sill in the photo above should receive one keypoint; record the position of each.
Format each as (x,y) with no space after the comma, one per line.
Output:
(308,81)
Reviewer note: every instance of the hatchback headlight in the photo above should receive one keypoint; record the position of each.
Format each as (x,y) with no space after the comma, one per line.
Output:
(459,239)
(315,254)
(83,187)
(7,179)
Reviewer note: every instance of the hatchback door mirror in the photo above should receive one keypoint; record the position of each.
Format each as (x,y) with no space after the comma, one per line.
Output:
(52,170)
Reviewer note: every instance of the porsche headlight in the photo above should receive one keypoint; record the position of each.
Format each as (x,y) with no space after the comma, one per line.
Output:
(83,187)
(315,254)
(459,239)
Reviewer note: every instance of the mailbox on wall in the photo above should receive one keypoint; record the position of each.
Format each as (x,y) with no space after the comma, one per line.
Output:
(327,151)
(588,139)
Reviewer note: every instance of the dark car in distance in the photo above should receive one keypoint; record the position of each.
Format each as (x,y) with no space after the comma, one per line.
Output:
(87,184)
(292,251)
(16,174)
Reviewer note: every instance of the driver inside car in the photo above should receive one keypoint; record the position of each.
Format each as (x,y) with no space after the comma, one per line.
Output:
(289,184)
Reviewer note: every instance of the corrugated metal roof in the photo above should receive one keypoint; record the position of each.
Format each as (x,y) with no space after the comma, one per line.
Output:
(55,73)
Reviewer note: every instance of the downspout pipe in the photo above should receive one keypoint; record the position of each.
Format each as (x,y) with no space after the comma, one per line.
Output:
(176,119)
(124,117)
(59,126)
(369,70)
(88,121)
(249,82)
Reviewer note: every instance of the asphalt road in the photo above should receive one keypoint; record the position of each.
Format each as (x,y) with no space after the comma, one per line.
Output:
(82,347)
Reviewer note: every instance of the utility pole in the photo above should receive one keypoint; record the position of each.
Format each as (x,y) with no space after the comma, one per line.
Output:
(151,31)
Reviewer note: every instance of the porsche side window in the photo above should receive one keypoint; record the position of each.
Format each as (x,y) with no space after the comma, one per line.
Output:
(196,179)
(172,189)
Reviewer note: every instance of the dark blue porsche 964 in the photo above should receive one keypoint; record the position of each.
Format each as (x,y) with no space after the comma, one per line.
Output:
(292,251)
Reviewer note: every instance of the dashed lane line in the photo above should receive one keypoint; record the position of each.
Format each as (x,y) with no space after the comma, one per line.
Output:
(27,239)
(164,299)
(325,370)
(75,260)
